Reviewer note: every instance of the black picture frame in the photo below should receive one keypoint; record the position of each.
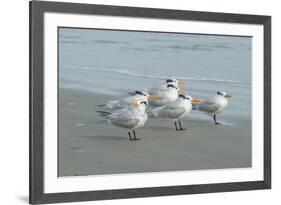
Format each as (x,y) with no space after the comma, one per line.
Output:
(36,174)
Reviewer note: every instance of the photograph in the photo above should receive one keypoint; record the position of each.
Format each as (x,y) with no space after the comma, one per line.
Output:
(133,101)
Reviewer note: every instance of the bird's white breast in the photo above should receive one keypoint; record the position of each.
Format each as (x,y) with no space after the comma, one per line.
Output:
(188,106)
(222,102)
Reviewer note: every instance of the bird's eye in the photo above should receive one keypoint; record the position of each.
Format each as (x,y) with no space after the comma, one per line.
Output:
(143,102)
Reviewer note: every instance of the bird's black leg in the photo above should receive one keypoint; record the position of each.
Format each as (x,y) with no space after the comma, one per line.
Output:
(215,119)
(135,135)
(181,128)
(176,125)
(130,136)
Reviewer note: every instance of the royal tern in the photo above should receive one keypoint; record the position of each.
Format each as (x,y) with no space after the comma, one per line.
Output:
(213,106)
(176,109)
(126,101)
(165,96)
(129,118)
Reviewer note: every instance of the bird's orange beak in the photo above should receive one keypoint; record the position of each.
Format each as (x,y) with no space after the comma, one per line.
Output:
(195,100)
(228,96)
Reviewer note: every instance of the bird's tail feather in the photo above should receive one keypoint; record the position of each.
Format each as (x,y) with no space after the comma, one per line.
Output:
(103,114)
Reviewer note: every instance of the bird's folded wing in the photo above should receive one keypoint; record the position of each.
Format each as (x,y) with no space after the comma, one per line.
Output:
(208,106)
(123,114)
(171,112)
(124,119)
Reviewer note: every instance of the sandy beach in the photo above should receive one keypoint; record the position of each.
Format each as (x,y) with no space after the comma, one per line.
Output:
(88,146)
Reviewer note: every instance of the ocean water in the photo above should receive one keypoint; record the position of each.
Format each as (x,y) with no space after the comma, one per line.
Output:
(115,62)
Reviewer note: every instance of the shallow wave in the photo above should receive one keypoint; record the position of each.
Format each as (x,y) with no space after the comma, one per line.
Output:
(161,77)
(78,40)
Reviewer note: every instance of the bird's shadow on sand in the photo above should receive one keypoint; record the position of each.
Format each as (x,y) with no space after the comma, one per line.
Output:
(158,128)
(106,137)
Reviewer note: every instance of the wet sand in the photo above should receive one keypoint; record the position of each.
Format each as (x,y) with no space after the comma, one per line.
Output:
(89,146)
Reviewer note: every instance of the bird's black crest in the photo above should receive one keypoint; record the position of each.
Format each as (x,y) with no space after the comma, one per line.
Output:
(172,86)
(182,96)
(219,93)
(170,80)
(139,93)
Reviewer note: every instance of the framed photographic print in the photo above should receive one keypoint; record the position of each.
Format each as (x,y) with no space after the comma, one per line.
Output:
(139,102)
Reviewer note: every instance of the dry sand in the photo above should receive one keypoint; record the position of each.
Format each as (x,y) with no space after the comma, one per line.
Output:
(88,146)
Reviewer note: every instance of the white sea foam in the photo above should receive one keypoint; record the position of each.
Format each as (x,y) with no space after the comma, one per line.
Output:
(140,75)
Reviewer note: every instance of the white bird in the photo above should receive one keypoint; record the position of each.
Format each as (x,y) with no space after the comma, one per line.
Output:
(126,101)
(164,96)
(213,106)
(129,118)
(176,110)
